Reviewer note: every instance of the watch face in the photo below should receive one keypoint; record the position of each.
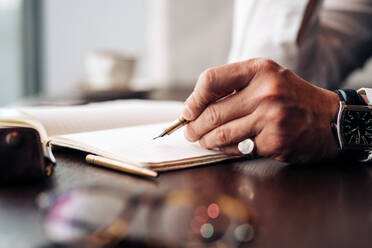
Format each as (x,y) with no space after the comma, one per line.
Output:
(356,127)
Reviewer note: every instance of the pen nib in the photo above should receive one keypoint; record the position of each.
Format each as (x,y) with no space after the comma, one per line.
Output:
(160,135)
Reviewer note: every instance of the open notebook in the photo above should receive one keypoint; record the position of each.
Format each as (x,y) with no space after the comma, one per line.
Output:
(118,130)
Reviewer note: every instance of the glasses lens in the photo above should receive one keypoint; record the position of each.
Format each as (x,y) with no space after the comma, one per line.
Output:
(91,217)
(74,216)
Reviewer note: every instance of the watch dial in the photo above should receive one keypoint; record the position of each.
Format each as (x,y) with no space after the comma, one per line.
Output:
(357,127)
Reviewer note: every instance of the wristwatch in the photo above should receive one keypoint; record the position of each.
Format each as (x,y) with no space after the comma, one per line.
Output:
(353,127)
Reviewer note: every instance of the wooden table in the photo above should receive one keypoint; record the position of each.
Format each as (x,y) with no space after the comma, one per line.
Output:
(319,205)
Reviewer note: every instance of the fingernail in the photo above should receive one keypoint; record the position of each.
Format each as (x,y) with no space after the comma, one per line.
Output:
(186,113)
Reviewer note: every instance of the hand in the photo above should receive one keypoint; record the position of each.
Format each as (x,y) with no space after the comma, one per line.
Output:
(287,117)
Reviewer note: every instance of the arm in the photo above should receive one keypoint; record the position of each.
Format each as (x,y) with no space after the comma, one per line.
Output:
(321,42)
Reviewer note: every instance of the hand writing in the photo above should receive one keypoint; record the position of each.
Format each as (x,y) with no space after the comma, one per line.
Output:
(287,117)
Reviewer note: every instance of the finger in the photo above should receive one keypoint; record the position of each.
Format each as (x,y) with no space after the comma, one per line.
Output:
(233,107)
(231,150)
(234,150)
(268,143)
(216,83)
(232,132)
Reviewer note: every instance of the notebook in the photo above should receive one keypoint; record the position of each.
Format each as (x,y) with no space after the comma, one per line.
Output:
(118,130)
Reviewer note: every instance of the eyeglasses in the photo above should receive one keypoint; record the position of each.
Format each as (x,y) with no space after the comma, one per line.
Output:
(96,216)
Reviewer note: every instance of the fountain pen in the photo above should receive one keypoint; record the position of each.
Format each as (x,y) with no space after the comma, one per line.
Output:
(180,122)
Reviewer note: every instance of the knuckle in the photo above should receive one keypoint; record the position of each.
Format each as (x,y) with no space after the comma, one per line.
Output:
(285,73)
(199,99)
(213,116)
(276,84)
(273,90)
(267,65)
(208,77)
(275,104)
(223,136)
(287,115)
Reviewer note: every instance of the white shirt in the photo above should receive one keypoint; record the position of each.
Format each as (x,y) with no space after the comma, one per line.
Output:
(336,40)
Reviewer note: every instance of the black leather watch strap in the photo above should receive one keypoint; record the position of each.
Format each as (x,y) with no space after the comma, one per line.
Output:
(350,97)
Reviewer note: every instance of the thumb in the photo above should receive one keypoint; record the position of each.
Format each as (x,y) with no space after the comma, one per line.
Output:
(216,83)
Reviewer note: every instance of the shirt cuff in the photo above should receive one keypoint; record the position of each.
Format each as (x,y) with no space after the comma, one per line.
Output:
(367,92)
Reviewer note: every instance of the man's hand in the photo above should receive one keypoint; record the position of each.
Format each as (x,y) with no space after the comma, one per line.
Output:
(287,117)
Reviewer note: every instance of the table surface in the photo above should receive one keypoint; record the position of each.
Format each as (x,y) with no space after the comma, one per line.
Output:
(327,204)
(318,205)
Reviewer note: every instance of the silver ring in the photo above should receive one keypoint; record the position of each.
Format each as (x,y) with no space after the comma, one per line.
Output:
(246,146)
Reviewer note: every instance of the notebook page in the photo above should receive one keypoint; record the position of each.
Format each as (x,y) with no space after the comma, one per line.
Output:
(136,144)
(99,116)
(13,118)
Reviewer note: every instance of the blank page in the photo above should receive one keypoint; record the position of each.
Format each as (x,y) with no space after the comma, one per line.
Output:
(136,145)
(100,116)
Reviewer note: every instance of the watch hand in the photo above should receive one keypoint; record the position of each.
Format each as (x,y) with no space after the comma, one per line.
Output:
(365,142)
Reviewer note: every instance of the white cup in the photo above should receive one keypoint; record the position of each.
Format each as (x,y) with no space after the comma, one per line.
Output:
(109,70)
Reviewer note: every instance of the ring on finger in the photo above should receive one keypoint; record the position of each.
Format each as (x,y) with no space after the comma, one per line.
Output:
(246,146)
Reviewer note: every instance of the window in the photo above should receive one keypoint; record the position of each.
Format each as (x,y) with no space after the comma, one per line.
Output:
(19,49)
(10,50)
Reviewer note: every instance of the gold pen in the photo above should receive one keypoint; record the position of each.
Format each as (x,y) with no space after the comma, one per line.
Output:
(117,165)
(177,124)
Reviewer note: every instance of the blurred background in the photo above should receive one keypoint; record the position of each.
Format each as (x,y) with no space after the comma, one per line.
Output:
(53,47)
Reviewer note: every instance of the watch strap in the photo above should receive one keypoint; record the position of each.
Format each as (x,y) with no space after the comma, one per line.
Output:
(350,97)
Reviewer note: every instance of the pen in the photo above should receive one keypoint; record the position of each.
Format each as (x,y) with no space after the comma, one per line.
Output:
(180,122)
(116,165)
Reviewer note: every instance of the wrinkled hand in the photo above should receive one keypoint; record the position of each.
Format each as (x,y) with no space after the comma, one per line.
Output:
(287,117)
